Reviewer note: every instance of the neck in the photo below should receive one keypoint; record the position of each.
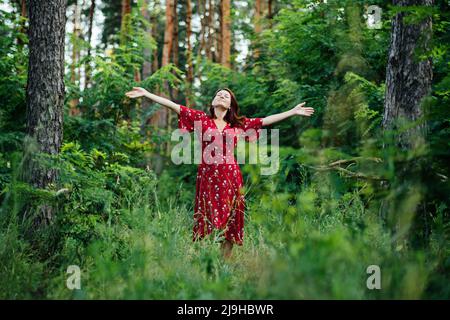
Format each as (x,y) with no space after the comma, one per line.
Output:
(220,113)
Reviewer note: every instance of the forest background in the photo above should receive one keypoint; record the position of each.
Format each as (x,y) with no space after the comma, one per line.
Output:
(86,179)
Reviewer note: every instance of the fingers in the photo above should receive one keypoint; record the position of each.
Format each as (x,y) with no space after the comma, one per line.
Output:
(307,111)
(131,94)
(135,93)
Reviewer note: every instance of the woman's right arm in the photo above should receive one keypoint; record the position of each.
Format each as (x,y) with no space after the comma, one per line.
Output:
(141,92)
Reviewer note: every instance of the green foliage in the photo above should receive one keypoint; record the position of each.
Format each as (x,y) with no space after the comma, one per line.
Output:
(20,272)
(344,197)
(13,71)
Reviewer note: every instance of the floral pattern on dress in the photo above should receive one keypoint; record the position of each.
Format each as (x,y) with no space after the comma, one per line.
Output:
(219,200)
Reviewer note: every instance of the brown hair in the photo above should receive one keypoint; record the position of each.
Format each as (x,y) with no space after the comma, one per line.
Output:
(232,116)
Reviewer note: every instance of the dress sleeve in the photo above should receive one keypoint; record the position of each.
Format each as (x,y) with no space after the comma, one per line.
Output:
(252,128)
(187,117)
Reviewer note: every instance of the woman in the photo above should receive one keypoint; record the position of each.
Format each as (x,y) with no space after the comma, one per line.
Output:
(219,202)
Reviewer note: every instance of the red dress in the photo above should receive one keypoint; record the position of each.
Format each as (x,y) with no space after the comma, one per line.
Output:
(219,200)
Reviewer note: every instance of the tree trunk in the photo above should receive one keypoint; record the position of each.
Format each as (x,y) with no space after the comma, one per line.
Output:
(160,117)
(270,12)
(125,29)
(210,32)
(175,51)
(190,69)
(202,13)
(226,33)
(45,88)
(218,27)
(168,34)
(23,9)
(257,23)
(154,20)
(23,15)
(408,80)
(125,21)
(81,37)
(75,55)
(147,65)
(173,92)
(91,22)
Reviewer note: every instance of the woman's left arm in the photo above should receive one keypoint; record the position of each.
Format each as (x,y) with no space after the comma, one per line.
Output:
(299,110)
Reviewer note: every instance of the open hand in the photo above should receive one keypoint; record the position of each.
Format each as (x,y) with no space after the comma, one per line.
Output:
(136,92)
(303,111)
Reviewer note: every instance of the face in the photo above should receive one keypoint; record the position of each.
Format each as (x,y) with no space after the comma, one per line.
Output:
(222,98)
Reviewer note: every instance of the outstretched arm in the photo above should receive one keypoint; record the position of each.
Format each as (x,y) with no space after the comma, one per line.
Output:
(298,110)
(141,92)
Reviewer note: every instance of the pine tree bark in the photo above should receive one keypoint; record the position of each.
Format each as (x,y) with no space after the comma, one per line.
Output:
(154,20)
(258,28)
(408,80)
(125,30)
(81,37)
(202,12)
(147,65)
(45,87)
(210,31)
(125,20)
(160,117)
(190,69)
(175,51)
(23,16)
(173,92)
(91,23)
(74,74)
(270,12)
(23,8)
(218,27)
(168,33)
(226,33)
